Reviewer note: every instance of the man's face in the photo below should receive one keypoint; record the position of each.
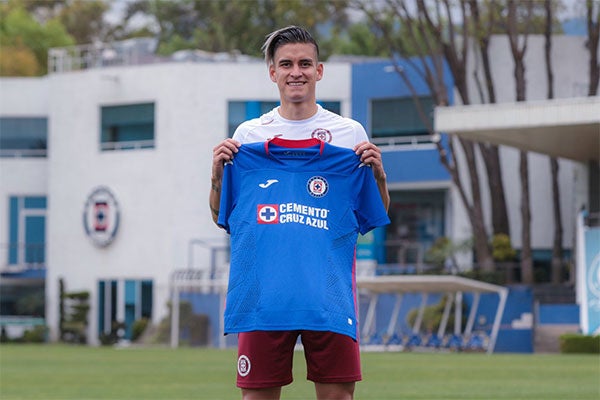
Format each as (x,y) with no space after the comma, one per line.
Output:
(296,70)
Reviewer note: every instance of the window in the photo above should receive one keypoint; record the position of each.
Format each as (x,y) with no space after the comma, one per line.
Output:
(23,137)
(27,227)
(135,304)
(127,127)
(240,111)
(400,118)
(417,220)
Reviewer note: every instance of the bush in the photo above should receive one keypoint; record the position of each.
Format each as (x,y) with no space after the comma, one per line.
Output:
(116,333)
(36,335)
(576,343)
(138,328)
(502,249)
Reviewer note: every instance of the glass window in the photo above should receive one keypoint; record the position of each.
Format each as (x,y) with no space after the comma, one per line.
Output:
(240,111)
(27,230)
(23,137)
(400,117)
(135,304)
(417,220)
(127,127)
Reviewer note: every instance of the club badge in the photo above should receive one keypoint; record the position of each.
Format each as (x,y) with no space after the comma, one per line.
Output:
(317,186)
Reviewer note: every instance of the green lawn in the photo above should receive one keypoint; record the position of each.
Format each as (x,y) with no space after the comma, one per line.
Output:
(72,372)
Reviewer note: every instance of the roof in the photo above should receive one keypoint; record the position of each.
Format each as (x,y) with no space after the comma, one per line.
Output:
(566,128)
(425,284)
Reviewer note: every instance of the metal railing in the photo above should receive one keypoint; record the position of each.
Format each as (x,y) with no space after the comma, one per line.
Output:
(21,256)
(126,52)
(406,142)
(23,153)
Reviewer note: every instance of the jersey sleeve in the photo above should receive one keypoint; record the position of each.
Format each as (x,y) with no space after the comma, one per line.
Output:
(227,197)
(369,208)
(360,135)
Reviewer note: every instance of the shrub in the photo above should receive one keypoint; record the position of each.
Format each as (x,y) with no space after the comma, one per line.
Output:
(138,328)
(502,249)
(577,343)
(36,335)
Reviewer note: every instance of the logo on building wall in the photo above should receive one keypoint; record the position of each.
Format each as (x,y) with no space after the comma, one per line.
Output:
(101,216)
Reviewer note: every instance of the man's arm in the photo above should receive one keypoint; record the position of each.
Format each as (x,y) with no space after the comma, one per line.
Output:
(370,154)
(222,153)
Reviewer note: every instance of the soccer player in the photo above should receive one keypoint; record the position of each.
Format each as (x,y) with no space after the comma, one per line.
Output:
(265,357)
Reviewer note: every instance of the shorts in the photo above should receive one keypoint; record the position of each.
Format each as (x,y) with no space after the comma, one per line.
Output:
(265,358)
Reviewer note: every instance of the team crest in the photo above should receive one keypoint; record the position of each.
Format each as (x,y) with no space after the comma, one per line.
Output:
(101,216)
(243,365)
(322,134)
(317,186)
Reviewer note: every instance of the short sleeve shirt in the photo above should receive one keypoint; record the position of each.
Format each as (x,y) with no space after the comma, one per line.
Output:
(294,209)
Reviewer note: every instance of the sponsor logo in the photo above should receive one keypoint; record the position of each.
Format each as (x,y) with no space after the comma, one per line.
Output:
(101,216)
(268,183)
(267,214)
(317,186)
(243,365)
(286,213)
(322,134)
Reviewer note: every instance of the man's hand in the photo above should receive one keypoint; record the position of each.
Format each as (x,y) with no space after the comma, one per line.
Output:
(371,155)
(222,153)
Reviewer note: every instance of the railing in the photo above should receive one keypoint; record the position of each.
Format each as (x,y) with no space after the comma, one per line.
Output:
(411,142)
(23,153)
(128,145)
(127,52)
(21,256)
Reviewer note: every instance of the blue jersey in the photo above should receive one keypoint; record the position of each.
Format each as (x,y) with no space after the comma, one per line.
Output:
(294,209)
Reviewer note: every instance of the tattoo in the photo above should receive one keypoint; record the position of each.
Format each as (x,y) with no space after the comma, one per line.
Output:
(214,211)
(215,188)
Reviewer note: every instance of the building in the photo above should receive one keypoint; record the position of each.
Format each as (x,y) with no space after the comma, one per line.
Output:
(106,164)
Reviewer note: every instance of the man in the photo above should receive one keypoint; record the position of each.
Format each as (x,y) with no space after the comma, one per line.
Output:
(333,359)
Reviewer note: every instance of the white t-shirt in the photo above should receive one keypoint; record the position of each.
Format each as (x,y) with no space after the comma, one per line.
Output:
(324,125)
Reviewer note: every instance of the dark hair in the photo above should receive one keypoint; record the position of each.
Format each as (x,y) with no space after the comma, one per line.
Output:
(289,34)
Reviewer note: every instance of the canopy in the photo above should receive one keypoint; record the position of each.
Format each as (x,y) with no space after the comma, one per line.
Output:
(567,128)
(424,284)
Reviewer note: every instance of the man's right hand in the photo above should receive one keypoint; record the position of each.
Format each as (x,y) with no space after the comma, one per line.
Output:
(222,153)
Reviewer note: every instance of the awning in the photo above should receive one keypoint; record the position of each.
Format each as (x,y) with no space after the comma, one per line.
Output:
(424,284)
(567,128)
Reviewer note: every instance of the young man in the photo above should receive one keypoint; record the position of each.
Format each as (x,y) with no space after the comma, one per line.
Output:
(332,358)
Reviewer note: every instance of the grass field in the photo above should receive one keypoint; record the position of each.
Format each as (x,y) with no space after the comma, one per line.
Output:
(49,372)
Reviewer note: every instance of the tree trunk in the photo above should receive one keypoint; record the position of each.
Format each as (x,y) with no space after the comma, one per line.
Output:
(491,158)
(481,244)
(557,251)
(518,52)
(490,152)
(526,259)
(593,28)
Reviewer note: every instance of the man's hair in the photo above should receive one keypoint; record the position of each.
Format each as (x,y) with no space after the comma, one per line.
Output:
(289,34)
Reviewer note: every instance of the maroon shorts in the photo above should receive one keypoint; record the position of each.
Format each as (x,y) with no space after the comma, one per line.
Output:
(265,358)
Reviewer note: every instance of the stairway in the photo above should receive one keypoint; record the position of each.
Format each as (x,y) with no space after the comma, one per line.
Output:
(547,336)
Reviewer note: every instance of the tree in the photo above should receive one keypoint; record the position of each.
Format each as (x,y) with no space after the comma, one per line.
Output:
(23,37)
(433,33)
(557,253)
(84,20)
(237,25)
(518,47)
(593,29)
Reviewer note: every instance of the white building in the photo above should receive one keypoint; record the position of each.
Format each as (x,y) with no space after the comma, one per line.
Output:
(120,198)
